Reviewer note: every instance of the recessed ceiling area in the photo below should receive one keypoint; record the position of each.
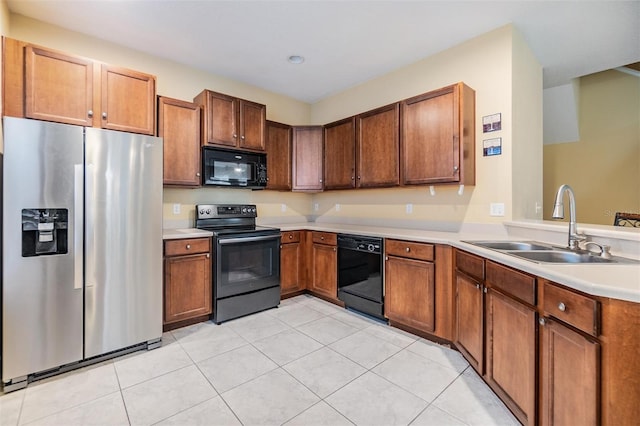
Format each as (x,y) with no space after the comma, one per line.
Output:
(345,43)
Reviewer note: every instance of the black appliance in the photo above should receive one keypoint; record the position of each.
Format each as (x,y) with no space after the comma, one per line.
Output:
(233,168)
(360,269)
(246,266)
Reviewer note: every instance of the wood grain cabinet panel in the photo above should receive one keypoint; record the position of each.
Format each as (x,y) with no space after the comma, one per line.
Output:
(324,265)
(179,126)
(438,137)
(340,154)
(378,162)
(278,147)
(307,159)
(470,321)
(291,258)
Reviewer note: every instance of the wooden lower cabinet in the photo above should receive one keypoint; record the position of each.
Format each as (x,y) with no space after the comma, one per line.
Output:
(569,376)
(324,265)
(291,263)
(187,279)
(510,353)
(469,321)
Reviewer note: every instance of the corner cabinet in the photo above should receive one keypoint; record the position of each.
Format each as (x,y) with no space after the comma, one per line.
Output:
(45,84)
(187,281)
(437,137)
(307,159)
(231,122)
(179,126)
(278,146)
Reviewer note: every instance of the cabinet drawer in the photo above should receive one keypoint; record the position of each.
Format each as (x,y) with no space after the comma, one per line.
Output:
(575,309)
(470,264)
(187,246)
(290,237)
(324,238)
(512,282)
(410,250)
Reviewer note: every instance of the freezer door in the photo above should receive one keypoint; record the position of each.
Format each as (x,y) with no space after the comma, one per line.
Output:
(123,232)
(41,293)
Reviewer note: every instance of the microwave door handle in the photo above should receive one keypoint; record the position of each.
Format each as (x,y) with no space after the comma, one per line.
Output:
(225,241)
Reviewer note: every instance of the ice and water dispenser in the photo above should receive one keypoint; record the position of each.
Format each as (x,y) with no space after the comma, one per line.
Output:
(44,231)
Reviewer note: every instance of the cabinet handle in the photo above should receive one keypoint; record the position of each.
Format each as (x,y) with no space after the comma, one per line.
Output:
(104,115)
(562,307)
(407,249)
(290,236)
(208,255)
(542,321)
(90,113)
(188,246)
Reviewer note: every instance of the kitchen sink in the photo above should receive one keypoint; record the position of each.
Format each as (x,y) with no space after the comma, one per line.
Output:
(547,253)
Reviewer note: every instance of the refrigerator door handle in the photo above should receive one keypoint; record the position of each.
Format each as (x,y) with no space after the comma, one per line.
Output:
(78,237)
(90,264)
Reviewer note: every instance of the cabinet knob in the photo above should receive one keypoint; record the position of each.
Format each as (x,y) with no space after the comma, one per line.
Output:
(359,177)
(407,249)
(455,168)
(235,136)
(334,249)
(562,306)
(322,238)
(208,255)
(320,181)
(242,137)
(198,174)
(188,246)
(280,245)
(290,236)
(104,115)
(353,178)
(90,113)
(484,289)
(478,286)
(542,321)
(386,258)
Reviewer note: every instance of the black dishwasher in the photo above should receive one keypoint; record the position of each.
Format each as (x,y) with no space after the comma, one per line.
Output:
(360,284)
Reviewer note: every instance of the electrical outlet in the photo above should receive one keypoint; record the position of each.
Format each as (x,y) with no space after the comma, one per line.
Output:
(176,209)
(409,208)
(496,209)
(316,207)
(337,207)
(283,208)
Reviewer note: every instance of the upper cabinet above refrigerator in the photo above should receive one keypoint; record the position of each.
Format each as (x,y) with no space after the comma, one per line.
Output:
(45,84)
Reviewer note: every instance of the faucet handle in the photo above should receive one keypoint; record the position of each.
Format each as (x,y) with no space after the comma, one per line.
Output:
(604,249)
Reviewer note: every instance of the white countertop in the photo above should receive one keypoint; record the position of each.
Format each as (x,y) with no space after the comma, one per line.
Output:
(618,281)
(174,234)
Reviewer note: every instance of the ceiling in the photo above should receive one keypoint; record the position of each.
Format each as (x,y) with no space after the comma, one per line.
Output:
(346,43)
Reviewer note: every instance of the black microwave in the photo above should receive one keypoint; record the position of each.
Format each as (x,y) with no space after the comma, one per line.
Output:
(233,168)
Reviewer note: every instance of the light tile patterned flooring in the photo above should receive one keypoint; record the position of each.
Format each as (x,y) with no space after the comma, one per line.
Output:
(306,363)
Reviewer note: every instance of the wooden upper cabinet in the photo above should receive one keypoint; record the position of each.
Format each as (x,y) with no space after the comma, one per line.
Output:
(307,159)
(437,137)
(377,147)
(179,126)
(45,84)
(278,146)
(128,100)
(58,87)
(231,122)
(340,154)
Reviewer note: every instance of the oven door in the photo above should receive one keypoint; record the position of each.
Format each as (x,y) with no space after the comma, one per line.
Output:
(246,263)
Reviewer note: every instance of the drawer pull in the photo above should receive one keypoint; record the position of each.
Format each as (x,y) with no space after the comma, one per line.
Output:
(334,249)
(407,249)
(562,307)
(322,238)
(542,321)
(290,236)
(208,255)
(188,246)
(478,286)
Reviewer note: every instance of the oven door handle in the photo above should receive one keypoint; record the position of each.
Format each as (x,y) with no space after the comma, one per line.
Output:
(225,241)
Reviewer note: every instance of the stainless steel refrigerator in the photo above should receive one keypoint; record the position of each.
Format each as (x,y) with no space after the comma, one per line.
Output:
(81,245)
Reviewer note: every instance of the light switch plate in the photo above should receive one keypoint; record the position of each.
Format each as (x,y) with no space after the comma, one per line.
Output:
(496,209)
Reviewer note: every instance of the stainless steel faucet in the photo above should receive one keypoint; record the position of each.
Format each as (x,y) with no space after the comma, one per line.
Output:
(558,213)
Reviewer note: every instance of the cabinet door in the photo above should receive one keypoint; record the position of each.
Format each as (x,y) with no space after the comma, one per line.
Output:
(340,154)
(409,292)
(221,118)
(128,100)
(378,147)
(469,319)
(324,278)
(290,271)
(429,142)
(510,342)
(569,376)
(187,287)
(307,158)
(278,146)
(58,87)
(179,126)
(252,125)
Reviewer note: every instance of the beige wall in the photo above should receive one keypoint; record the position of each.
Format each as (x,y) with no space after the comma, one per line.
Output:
(498,66)
(4,29)
(486,64)
(603,167)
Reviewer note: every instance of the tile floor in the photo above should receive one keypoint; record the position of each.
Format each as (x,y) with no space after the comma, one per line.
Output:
(306,363)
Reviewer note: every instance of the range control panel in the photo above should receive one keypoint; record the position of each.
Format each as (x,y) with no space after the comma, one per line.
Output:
(213,211)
